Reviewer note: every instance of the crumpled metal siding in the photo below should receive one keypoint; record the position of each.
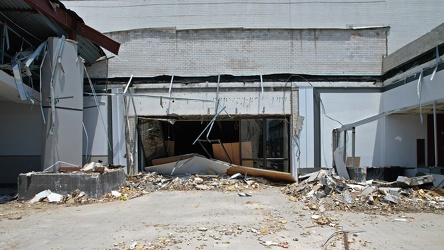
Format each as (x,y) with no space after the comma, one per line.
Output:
(36,27)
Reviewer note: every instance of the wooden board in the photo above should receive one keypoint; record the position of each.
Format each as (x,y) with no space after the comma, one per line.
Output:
(233,151)
(267,174)
(357,161)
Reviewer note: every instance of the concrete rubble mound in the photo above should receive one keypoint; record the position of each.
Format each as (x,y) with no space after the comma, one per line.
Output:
(324,190)
(143,183)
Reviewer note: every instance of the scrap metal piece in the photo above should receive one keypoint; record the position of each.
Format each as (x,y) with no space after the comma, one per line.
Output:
(19,82)
(195,164)
(419,92)
(344,232)
(52,88)
(437,63)
(212,121)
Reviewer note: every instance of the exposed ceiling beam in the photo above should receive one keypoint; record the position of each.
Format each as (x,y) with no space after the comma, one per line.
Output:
(73,26)
(18,10)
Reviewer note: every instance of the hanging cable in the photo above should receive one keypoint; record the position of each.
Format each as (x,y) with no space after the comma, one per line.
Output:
(87,142)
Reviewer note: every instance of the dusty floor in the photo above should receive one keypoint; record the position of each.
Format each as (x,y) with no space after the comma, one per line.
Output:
(208,220)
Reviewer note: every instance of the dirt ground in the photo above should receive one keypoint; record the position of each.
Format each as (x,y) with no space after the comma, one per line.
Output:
(204,219)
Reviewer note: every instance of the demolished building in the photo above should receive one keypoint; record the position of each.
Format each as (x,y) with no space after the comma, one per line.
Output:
(279,95)
(260,94)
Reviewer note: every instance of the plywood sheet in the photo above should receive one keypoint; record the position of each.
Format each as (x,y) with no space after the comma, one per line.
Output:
(357,161)
(233,151)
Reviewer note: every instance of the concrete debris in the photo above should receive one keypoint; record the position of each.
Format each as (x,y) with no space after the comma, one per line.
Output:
(89,167)
(47,195)
(242,194)
(92,167)
(379,197)
(269,243)
(143,183)
(116,194)
(54,197)
(415,181)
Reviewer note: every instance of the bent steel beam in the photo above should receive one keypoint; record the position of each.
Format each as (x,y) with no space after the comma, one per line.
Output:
(73,25)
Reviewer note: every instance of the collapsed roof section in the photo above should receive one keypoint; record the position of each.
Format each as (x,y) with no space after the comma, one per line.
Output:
(24,26)
(33,21)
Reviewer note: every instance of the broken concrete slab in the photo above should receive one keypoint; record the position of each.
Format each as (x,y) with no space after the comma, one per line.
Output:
(390,190)
(47,194)
(415,181)
(367,190)
(94,185)
(40,196)
(54,197)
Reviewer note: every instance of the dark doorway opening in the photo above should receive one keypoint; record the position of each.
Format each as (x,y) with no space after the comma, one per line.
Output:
(253,142)
(431,140)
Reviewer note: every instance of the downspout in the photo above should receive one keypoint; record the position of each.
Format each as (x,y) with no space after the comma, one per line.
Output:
(435,134)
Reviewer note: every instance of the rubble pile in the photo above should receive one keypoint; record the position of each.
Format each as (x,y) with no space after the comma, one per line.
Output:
(143,183)
(324,190)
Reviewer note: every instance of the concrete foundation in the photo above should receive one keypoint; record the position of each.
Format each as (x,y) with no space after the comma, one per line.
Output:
(94,185)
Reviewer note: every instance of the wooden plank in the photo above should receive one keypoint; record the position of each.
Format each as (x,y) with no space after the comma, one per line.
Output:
(247,152)
(64,169)
(357,161)
(233,150)
(268,174)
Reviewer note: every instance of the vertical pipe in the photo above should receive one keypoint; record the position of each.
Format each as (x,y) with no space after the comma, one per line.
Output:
(3,43)
(264,142)
(262,87)
(217,94)
(169,95)
(353,147)
(435,134)
(171,86)
(345,145)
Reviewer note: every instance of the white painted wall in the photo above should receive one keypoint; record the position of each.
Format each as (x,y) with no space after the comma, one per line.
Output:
(20,129)
(246,99)
(306,134)
(348,108)
(401,132)
(407,94)
(95,140)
